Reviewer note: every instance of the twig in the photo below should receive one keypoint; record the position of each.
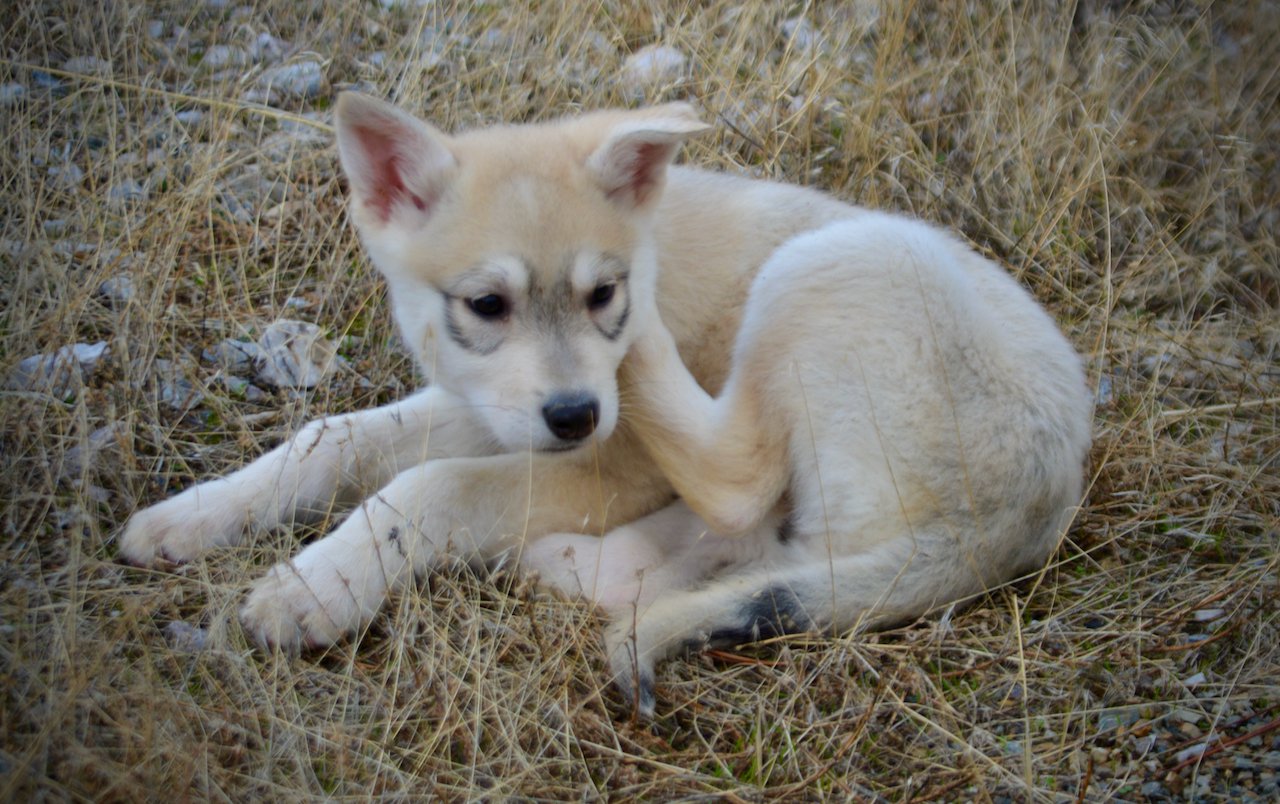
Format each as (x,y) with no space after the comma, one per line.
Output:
(1225,407)
(1219,747)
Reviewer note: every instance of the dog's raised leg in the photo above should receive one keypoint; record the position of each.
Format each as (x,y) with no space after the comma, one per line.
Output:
(724,460)
(340,456)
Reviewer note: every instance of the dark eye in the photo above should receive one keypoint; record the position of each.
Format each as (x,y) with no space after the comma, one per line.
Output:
(601,296)
(489,306)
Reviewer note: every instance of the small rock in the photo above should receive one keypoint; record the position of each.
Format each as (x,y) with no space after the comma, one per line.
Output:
(1190,752)
(83,457)
(175,389)
(266,47)
(189,117)
(1110,719)
(295,355)
(302,79)
(66,176)
(1194,680)
(254,190)
(87,65)
(1154,790)
(801,33)
(1186,715)
(653,65)
(240,387)
(494,40)
(47,82)
(59,373)
(118,288)
(75,249)
(185,637)
(126,191)
(234,357)
(219,56)
(155,29)
(12,93)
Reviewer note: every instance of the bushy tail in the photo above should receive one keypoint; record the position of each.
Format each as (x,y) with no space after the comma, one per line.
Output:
(869,590)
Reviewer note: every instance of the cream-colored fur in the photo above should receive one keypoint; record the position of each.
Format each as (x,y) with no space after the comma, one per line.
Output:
(863,419)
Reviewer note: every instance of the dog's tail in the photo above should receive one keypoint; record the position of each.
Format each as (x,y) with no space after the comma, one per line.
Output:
(871,590)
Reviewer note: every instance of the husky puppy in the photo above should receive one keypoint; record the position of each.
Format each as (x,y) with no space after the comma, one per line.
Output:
(720,409)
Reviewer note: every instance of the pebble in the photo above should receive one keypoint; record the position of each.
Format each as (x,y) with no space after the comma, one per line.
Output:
(185,637)
(47,82)
(83,457)
(653,65)
(801,33)
(60,373)
(12,93)
(189,117)
(238,386)
(119,288)
(75,249)
(295,355)
(220,56)
(233,356)
(87,65)
(55,227)
(1190,752)
(266,47)
(66,176)
(175,390)
(126,191)
(302,79)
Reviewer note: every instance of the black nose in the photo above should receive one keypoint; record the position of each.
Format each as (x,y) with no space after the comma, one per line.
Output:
(572,416)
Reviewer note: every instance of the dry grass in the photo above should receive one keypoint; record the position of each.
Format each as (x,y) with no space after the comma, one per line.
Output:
(1120,158)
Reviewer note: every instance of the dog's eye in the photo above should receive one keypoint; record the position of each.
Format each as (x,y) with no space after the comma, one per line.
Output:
(489,306)
(601,296)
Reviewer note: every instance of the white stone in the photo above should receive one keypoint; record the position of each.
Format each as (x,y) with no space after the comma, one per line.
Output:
(655,64)
(295,355)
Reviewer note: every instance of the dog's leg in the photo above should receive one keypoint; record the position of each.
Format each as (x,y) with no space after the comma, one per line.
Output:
(347,456)
(463,507)
(724,459)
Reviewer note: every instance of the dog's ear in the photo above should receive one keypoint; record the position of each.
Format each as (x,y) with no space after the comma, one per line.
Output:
(397,165)
(631,164)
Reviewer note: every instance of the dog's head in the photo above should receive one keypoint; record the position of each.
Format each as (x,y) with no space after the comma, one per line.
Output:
(519,259)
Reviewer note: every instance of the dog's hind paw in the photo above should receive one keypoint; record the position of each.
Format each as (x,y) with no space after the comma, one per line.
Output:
(632,669)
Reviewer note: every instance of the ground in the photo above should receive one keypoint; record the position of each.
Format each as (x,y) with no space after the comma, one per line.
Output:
(169,188)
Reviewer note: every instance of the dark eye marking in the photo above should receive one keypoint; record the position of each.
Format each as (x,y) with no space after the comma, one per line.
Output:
(601,296)
(490,306)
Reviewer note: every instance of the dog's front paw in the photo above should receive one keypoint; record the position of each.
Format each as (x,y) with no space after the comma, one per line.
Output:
(300,606)
(178,530)
(632,667)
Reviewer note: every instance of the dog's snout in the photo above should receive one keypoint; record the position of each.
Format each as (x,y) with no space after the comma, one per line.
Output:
(572,417)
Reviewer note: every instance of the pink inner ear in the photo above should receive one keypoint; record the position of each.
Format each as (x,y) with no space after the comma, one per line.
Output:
(384,185)
(642,171)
